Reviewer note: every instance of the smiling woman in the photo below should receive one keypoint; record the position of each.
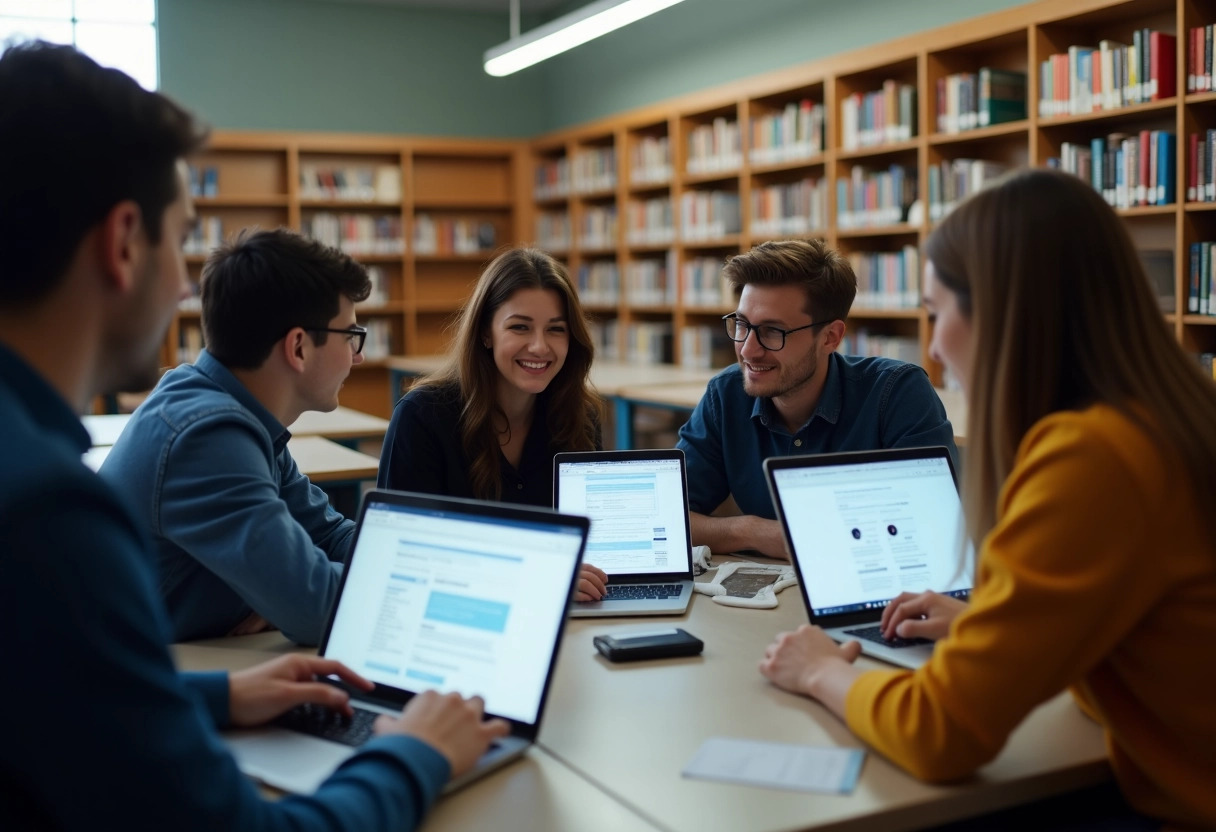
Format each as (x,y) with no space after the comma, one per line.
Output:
(514,393)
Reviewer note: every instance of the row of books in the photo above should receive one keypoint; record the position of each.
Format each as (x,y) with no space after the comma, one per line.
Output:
(379,295)
(707,215)
(553,230)
(204,181)
(650,160)
(352,183)
(790,208)
(648,342)
(604,337)
(880,117)
(703,284)
(1128,170)
(1201,295)
(599,283)
(952,180)
(887,280)
(650,222)
(551,179)
(448,235)
(1110,76)
(594,169)
(1201,170)
(207,234)
(969,100)
(862,341)
(1207,362)
(379,343)
(795,132)
(869,198)
(704,347)
(714,147)
(1199,59)
(648,283)
(598,227)
(357,234)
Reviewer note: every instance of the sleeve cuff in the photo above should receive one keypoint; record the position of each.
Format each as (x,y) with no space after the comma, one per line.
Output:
(212,688)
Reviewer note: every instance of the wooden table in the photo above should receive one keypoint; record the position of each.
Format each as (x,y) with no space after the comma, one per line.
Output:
(615,738)
(325,461)
(339,423)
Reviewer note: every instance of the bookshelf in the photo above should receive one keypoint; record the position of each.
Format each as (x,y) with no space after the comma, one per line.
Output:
(850,148)
(424,215)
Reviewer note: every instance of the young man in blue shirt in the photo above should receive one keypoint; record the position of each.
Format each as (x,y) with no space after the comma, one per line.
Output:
(243,540)
(792,393)
(94,209)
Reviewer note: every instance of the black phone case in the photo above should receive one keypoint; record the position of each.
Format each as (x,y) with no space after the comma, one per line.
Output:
(627,649)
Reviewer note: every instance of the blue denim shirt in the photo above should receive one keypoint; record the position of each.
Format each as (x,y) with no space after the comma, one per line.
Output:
(82,622)
(237,528)
(867,403)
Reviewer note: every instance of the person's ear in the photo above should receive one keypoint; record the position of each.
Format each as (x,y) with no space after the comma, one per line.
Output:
(124,244)
(296,346)
(833,335)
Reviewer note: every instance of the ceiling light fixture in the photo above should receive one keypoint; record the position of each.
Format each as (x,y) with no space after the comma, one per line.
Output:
(566,32)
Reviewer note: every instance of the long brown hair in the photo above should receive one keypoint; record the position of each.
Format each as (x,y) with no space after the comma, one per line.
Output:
(1063,317)
(572,409)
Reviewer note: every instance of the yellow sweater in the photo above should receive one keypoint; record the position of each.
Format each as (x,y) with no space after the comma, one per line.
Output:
(1100,574)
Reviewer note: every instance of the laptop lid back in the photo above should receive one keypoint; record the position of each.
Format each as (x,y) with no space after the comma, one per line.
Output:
(864,527)
(457,595)
(638,505)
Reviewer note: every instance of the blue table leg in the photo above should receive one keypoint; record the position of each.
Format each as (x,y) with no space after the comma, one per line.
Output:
(623,413)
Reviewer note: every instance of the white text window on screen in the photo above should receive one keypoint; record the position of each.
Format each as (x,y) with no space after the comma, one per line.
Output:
(117,33)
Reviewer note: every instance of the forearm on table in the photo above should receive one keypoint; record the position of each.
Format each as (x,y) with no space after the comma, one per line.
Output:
(733,534)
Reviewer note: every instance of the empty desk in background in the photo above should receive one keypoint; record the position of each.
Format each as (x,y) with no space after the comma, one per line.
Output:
(341,423)
(618,737)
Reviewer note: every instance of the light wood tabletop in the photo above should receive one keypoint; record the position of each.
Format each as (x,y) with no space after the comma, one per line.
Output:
(339,423)
(323,460)
(616,737)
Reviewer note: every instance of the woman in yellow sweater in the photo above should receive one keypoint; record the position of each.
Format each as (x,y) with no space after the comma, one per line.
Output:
(1089,485)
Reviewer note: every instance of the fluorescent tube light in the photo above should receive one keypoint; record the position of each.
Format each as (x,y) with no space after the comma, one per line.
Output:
(567,32)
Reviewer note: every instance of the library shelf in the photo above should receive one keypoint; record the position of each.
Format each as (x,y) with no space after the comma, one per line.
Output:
(1008,128)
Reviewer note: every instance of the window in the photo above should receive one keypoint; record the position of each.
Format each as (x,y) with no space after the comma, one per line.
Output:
(117,33)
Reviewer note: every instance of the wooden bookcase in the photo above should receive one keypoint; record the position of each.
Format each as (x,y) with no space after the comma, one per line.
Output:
(631,313)
(424,215)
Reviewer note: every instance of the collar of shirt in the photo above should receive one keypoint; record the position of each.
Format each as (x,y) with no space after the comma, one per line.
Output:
(210,366)
(831,399)
(46,407)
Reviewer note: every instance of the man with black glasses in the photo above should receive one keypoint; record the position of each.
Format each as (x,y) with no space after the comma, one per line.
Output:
(244,541)
(792,393)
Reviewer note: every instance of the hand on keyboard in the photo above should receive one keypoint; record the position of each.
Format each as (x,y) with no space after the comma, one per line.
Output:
(449,723)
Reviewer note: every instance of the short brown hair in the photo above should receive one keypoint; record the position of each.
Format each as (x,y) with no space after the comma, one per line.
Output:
(826,276)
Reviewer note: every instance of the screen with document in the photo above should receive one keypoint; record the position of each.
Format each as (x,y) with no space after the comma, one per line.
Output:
(863,532)
(451,601)
(637,508)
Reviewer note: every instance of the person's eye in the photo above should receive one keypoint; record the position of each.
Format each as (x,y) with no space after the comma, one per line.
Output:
(558,330)
(518,327)
(767,332)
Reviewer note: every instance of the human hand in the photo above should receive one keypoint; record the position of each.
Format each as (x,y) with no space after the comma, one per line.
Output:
(253,624)
(592,583)
(793,660)
(261,693)
(770,538)
(450,724)
(924,615)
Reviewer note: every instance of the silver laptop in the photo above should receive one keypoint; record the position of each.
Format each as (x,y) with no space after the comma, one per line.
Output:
(442,594)
(638,505)
(864,527)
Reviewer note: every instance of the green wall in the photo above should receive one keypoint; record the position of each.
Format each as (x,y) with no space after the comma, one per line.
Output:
(354,67)
(348,67)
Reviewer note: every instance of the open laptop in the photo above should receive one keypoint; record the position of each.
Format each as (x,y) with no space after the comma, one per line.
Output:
(438,593)
(638,505)
(862,528)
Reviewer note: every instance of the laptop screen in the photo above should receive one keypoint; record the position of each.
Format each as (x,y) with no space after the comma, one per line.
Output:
(639,523)
(863,532)
(452,601)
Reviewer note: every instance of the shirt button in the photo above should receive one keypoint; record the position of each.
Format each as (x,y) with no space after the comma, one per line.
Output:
(519,486)
(798,442)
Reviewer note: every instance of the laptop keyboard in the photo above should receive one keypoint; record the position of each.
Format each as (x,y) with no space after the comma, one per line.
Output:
(329,724)
(875,634)
(641,592)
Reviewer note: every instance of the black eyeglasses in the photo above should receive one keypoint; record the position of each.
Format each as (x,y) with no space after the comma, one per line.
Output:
(772,338)
(356,336)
